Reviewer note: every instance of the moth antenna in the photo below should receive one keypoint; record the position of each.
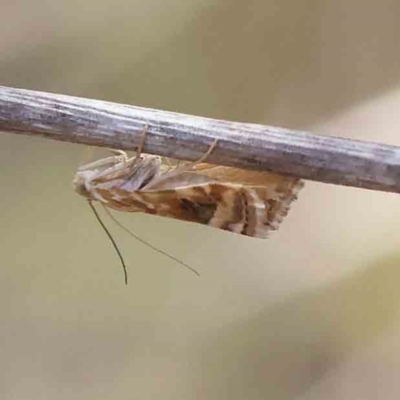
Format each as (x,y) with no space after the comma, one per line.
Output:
(111,239)
(147,243)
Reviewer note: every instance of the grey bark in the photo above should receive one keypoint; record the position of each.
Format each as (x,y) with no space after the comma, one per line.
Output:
(186,137)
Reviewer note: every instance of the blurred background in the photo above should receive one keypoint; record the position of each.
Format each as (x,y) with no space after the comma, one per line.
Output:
(311,313)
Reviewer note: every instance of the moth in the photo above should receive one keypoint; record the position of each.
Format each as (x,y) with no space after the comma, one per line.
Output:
(244,202)
(249,203)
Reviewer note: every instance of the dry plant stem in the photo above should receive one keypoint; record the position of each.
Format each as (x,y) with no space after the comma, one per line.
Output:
(243,145)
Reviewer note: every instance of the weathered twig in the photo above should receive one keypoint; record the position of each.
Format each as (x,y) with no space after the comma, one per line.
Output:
(251,146)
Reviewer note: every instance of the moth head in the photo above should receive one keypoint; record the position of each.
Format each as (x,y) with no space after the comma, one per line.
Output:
(80,182)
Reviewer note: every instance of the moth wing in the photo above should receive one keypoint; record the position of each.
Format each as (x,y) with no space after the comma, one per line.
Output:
(175,179)
(245,202)
(250,211)
(247,177)
(214,204)
(278,191)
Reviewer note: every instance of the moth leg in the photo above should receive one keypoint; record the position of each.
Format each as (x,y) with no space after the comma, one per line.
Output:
(119,153)
(207,153)
(168,164)
(131,163)
(121,157)
(179,169)
(112,161)
(140,148)
(109,165)
(191,165)
(122,161)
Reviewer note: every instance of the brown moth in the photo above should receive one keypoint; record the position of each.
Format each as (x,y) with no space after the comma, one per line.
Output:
(245,202)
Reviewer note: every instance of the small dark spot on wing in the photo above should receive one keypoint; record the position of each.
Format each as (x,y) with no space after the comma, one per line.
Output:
(202,212)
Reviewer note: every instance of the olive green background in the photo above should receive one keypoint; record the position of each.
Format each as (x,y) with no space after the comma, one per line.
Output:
(311,313)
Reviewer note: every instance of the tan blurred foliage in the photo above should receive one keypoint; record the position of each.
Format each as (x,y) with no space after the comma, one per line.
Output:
(311,313)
